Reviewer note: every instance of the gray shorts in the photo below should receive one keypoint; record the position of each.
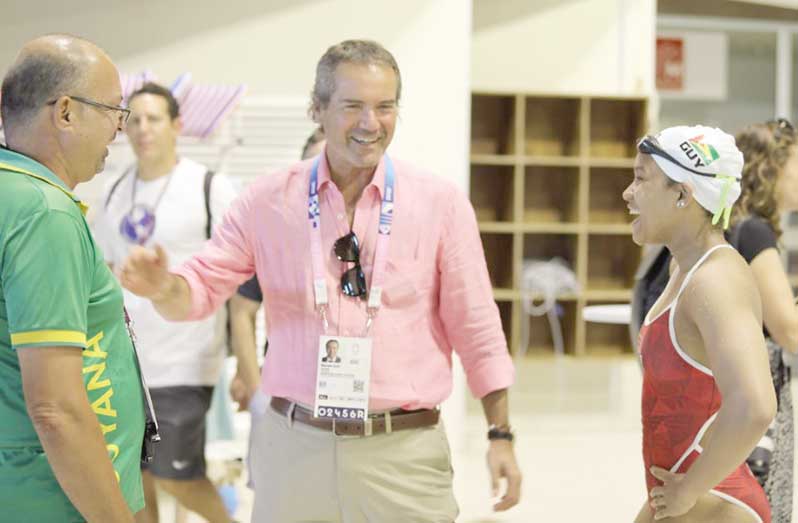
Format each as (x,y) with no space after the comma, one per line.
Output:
(181,423)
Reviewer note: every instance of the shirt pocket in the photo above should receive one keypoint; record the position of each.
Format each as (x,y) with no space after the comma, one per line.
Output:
(407,283)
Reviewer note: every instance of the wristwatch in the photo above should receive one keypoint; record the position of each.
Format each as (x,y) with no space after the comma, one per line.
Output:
(500,432)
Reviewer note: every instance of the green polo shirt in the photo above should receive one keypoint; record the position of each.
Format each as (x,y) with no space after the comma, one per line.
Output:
(56,290)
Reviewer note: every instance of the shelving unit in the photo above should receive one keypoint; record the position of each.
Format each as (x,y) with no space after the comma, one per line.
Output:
(547,173)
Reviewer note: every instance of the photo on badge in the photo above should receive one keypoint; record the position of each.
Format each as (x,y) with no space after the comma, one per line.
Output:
(332,352)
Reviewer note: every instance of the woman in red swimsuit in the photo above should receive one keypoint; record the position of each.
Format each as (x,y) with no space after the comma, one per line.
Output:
(707,392)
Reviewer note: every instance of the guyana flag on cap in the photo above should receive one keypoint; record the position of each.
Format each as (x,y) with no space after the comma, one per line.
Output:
(707,153)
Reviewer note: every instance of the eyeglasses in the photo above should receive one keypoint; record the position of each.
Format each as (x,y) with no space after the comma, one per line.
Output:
(124,111)
(353,281)
(646,145)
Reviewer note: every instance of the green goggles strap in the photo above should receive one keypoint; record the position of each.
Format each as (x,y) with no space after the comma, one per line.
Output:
(724,210)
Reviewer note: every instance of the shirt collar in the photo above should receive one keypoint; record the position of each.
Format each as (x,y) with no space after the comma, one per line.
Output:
(377,181)
(19,163)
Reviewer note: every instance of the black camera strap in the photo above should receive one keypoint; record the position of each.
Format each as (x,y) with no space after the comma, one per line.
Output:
(151,435)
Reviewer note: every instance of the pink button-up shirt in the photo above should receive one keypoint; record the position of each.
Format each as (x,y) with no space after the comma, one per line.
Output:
(436,295)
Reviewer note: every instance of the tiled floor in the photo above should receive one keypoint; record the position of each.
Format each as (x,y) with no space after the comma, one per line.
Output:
(578,442)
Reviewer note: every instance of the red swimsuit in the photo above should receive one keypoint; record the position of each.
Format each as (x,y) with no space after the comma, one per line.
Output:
(680,402)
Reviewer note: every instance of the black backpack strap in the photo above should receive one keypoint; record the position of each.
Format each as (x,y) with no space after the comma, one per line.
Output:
(206,187)
(115,185)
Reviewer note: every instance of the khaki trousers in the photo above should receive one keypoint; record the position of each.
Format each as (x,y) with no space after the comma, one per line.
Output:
(303,474)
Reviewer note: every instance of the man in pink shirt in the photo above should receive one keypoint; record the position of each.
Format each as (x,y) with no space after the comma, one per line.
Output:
(382,257)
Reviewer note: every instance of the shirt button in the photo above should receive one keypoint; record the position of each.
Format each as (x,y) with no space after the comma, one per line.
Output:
(340,216)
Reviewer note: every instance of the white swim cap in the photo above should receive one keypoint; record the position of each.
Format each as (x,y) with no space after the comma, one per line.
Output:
(704,157)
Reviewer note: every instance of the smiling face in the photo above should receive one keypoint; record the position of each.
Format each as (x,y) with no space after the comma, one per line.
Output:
(651,198)
(360,118)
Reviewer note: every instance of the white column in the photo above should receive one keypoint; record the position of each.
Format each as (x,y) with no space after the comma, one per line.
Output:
(784,73)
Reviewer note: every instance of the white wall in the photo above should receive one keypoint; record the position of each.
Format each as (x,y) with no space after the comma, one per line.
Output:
(564,46)
(273,46)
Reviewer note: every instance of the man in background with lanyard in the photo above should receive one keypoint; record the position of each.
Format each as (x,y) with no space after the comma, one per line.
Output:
(72,412)
(371,252)
(172,201)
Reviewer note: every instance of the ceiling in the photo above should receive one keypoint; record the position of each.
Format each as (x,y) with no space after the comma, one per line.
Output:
(780,10)
(789,4)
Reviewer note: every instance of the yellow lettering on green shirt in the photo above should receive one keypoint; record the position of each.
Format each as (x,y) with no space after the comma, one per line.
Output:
(95,382)
(102,405)
(93,349)
(107,428)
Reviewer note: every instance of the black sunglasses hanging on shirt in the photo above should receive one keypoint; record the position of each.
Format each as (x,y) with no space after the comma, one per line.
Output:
(353,281)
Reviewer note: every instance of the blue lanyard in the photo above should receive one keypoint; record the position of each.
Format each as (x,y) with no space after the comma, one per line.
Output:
(381,249)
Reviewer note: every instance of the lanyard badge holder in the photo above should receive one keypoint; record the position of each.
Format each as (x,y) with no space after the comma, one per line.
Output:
(151,436)
(343,378)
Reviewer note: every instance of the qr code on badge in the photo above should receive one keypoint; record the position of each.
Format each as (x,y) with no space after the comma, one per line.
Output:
(357,386)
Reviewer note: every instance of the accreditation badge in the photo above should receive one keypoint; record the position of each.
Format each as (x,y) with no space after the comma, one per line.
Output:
(343,372)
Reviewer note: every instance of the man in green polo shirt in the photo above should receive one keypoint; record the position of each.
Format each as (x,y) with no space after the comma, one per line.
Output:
(71,403)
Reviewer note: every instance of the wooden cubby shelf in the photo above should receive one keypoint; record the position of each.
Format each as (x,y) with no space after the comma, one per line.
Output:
(492,192)
(549,195)
(507,310)
(608,295)
(610,228)
(492,159)
(499,255)
(547,246)
(607,338)
(547,175)
(551,161)
(605,196)
(552,127)
(615,126)
(612,262)
(613,163)
(549,228)
(492,128)
(506,294)
(540,336)
(498,227)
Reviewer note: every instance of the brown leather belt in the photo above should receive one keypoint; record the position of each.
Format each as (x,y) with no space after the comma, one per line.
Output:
(377,423)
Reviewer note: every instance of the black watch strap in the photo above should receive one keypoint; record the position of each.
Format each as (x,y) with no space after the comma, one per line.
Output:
(500,433)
